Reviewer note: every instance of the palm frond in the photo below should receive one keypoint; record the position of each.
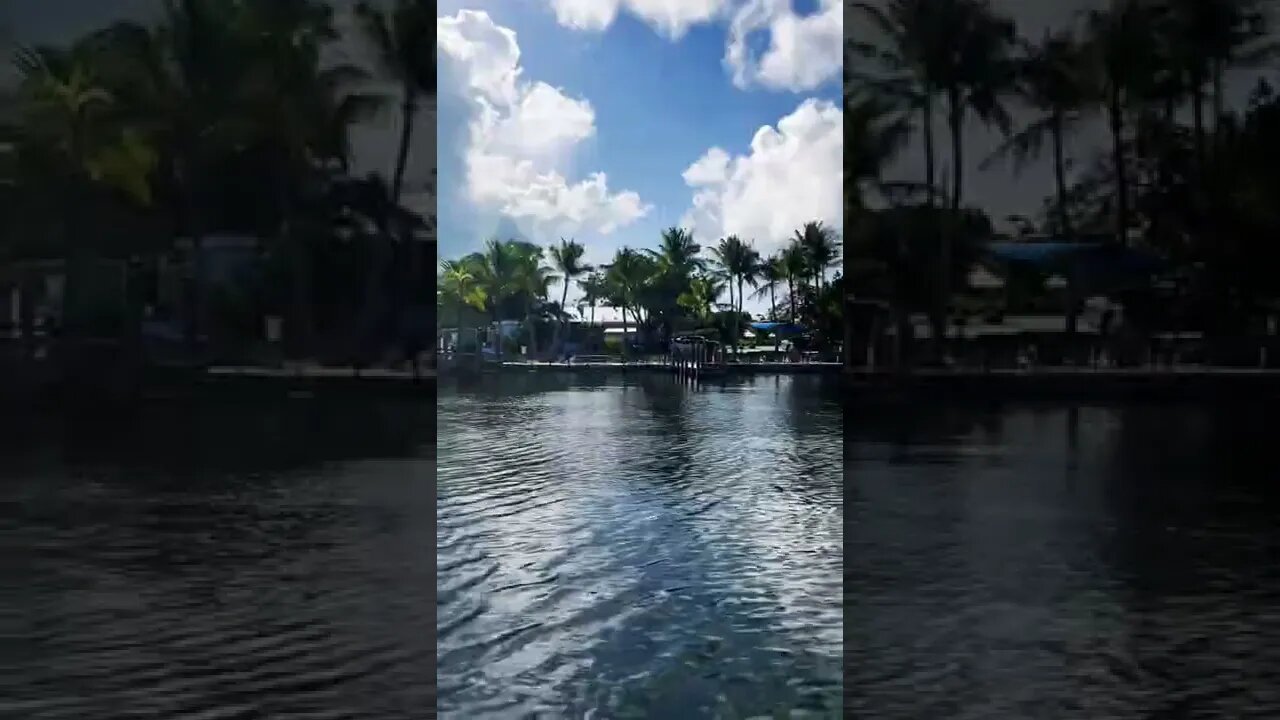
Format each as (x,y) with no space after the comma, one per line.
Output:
(1022,146)
(879,19)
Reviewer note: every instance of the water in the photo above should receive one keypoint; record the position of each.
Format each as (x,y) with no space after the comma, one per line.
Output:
(1057,563)
(640,549)
(647,549)
(236,562)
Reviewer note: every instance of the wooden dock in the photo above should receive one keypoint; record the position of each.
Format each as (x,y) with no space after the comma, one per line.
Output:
(660,367)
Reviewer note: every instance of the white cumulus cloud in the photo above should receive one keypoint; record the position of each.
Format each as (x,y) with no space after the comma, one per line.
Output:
(803,52)
(792,174)
(520,136)
(672,18)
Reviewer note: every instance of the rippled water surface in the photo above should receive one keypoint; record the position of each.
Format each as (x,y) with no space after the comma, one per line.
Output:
(1057,563)
(615,549)
(241,562)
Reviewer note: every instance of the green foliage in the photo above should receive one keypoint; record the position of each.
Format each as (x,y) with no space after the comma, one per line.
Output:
(658,292)
(165,118)
(1182,171)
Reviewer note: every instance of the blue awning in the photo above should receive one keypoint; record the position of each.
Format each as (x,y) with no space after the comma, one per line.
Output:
(1038,253)
(1088,260)
(779,328)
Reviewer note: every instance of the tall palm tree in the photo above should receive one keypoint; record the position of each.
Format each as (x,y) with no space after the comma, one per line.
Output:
(821,249)
(1050,80)
(530,284)
(594,290)
(978,74)
(566,259)
(739,263)
(1206,38)
(403,37)
(772,276)
(625,279)
(911,59)
(795,265)
(678,253)
(1121,53)
(950,49)
(676,259)
(752,267)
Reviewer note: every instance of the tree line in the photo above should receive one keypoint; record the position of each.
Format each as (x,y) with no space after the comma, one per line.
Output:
(1183,173)
(660,292)
(226,117)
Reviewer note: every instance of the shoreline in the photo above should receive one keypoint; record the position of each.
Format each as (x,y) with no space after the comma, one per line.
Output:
(763,368)
(1070,385)
(859,385)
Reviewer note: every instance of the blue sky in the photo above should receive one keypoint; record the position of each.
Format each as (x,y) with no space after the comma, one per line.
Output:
(640,98)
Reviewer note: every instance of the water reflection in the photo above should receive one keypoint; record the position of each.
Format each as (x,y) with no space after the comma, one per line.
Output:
(639,547)
(1088,562)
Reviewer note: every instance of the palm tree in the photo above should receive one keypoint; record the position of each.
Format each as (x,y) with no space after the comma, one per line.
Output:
(795,265)
(820,248)
(1050,80)
(494,270)
(978,73)
(178,84)
(512,281)
(1204,39)
(594,289)
(703,292)
(772,276)
(530,283)
(625,279)
(566,259)
(739,263)
(677,259)
(64,106)
(403,37)
(874,133)
(458,286)
(956,49)
(912,60)
(752,267)
(1121,55)
(678,253)
(65,110)
(291,105)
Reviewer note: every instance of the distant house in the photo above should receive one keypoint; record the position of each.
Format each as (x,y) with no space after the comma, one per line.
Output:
(47,280)
(99,298)
(223,259)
